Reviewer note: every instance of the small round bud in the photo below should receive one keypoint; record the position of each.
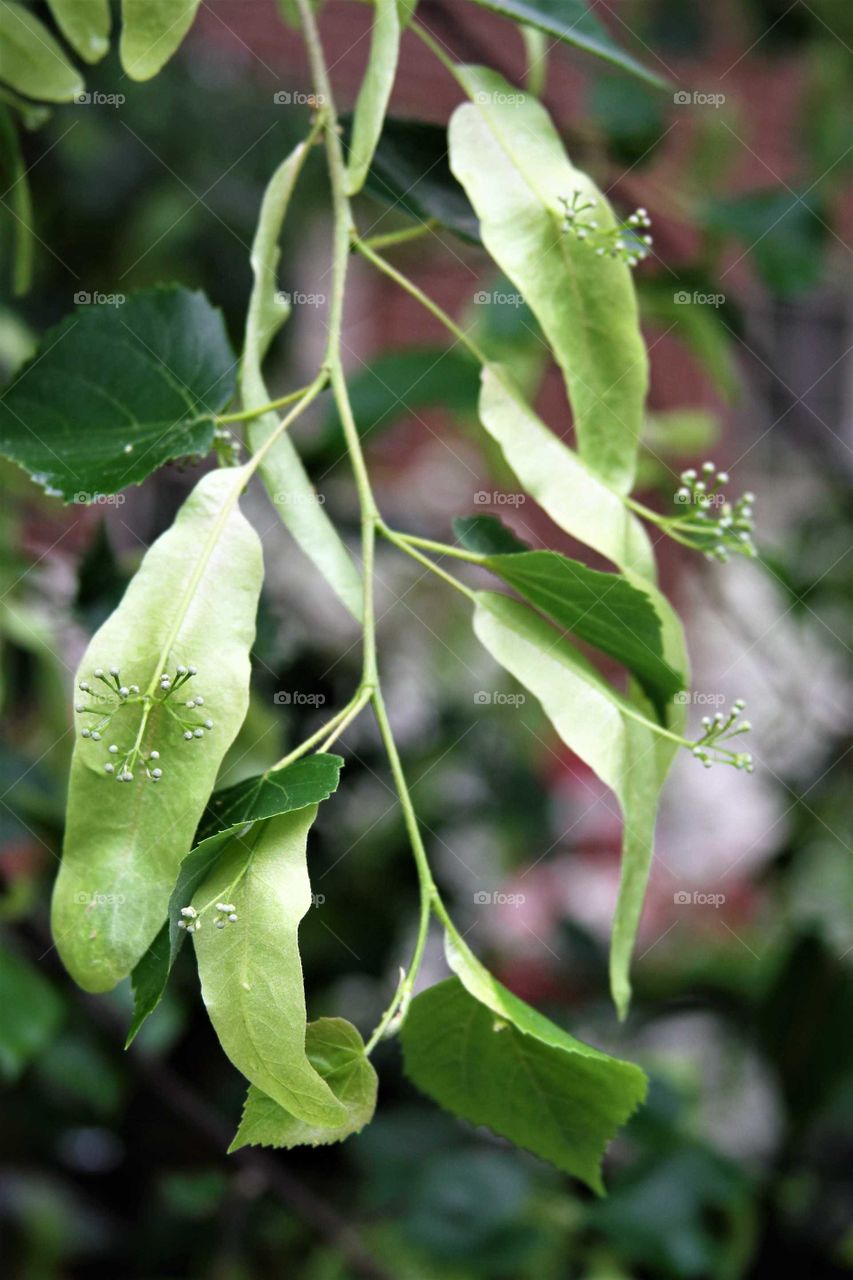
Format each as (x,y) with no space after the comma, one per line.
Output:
(220,924)
(96,737)
(134,688)
(182,924)
(112,748)
(154,755)
(99,671)
(156,773)
(182,671)
(233,917)
(189,911)
(191,703)
(114,671)
(188,734)
(198,733)
(109,768)
(85,733)
(192,670)
(84,686)
(79,707)
(123,691)
(199,702)
(208,724)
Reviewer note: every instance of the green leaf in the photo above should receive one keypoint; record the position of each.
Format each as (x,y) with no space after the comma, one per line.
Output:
(251,973)
(117,390)
(152,31)
(784,233)
(572,22)
(30,1014)
(336,1051)
(193,601)
(410,172)
(372,101)
(85,25)
(572,495)
(31,60)
(283,474)
(602,728)
(400,384)
(485,1055)
(605,609)
(305,782)
(508,156)
(487,536)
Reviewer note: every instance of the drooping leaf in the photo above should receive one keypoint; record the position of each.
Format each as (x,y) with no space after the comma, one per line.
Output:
(485,1055)
(410,172)
(251,973)
(85,25)
(605,609)
(508,156)
(30,1014)
(598,724)
(552,473)
(336,1051)
(31,60)
(305,782)
(397,384)
(372,101)
(117,390)
(192,602)
(574,23)
(152,31)
(283,474)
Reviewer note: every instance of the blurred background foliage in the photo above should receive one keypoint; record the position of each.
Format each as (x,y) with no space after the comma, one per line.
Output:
(740,1165)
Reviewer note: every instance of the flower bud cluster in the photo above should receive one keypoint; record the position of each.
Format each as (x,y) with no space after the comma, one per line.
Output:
(628,241)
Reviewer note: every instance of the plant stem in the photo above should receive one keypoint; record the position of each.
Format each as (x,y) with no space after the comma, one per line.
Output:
(403,236)
(357,700)
(246,415)
(355,709)
(409,285)
(404,544)
(440,548)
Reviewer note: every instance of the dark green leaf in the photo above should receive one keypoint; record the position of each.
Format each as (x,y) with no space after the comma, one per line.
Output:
(305,782)
(574,23)
(491,1059)
(410,171)
(336,1051)
(117,390)
(602,608)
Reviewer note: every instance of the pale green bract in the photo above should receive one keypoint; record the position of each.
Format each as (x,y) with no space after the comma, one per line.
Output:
(152,31)
(193,601)
(372,101)
(508,156)
(85,25)
(251,972)
(283,474)
(31,60)
(335,1048)
(592,720)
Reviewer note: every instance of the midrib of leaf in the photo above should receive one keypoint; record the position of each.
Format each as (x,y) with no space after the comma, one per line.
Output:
(192,586)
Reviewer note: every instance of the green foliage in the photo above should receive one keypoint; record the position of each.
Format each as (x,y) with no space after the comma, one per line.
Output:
(146,377)
(336,1051)
(576,24)
(85,25)
(303,783)
(251,973)
(585,303)
(602,608)
(31,60)
(282,471)
(193,601)
(488,1057)
(372,101)
(151,32)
